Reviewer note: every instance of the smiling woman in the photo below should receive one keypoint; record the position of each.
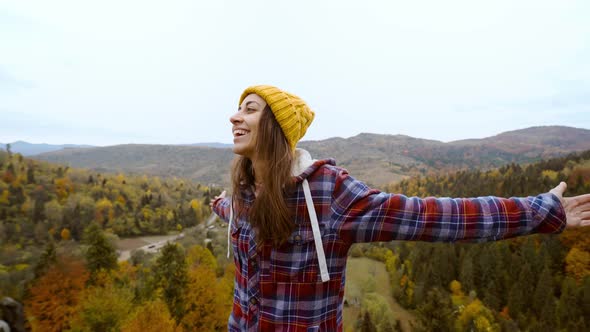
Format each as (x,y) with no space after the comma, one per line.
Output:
(293,219)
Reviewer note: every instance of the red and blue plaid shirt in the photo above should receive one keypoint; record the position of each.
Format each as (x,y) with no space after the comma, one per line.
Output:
(279,289)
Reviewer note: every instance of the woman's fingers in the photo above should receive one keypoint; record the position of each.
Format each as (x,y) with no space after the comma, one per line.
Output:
(582,201)
(216,198)
(577,210)
(559,190)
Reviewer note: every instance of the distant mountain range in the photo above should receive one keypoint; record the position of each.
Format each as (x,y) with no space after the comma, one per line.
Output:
(30,149)
(376,159)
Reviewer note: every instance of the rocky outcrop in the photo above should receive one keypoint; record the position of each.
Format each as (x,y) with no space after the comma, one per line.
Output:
(13,314)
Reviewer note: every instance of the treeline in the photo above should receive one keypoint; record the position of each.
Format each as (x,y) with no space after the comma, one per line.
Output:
(39,198)
(536,283)
(42,202)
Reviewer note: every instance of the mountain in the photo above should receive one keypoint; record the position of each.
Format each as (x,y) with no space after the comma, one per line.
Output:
(375,159)
(204,165)
(212,145)
(29,149)
(533,140)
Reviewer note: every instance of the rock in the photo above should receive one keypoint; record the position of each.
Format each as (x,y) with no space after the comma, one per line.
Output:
(12,313)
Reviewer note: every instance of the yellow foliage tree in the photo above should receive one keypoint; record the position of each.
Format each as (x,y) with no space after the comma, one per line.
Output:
(151,316)
(120,178)
(455,288)
(197,207)
(476,317)
(550,174)
(4,197)
(205,308)
(65,234)
(121,200)
(104,212)
(63,187)
(577,263)
(199,256)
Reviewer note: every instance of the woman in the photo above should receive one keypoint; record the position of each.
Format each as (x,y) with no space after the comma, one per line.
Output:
(293,219)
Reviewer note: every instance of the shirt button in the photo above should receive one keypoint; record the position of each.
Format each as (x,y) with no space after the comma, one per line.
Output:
(253,301)
(254,265)
(297,238)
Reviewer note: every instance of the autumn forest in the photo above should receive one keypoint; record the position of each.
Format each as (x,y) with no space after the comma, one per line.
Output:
(60,230)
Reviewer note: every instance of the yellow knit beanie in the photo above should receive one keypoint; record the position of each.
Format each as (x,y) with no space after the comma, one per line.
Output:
(290,111)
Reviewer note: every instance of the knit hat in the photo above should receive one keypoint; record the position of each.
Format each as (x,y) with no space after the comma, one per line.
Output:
(290,111)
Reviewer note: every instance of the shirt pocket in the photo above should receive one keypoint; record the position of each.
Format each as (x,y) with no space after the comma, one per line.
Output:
(239,241)
(296,260)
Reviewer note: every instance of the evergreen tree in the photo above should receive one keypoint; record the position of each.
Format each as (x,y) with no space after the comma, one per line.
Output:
(585,298)
(436,313)
(100,253)
(30,175)
(47,258)
(171,275)
(466,274)
(568,309)
(543,296)
(367,324)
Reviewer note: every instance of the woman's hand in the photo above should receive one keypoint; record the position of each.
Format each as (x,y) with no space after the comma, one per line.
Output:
(214,201)
(577,208)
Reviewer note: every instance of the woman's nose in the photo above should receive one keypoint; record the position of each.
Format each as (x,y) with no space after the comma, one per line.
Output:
(236,118)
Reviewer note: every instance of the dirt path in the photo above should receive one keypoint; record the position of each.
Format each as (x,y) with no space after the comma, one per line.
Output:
(148,243)
(357,272)
(153,243)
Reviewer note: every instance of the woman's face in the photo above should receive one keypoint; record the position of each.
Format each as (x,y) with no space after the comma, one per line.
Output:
(245,125)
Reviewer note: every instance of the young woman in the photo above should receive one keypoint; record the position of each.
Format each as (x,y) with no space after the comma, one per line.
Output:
(292,219)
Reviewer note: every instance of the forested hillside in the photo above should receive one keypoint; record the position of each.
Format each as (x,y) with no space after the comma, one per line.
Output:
(535,283)
(57,229)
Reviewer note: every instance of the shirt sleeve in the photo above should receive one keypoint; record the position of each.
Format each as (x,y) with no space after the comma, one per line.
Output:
(362,214)
(221,208)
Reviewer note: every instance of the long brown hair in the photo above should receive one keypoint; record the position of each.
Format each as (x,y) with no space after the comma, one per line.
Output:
(269,215)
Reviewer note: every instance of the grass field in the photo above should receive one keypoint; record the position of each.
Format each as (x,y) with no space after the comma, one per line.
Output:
(358,271)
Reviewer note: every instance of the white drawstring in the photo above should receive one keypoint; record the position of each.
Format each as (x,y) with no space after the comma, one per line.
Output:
(317,237)
(231,217)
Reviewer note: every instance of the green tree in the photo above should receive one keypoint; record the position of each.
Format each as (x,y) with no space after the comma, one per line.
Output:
(543,298)
(171,276)
(100,253)
(466,273)
(436,313)
(103,309)
(47,258)
(569,309)
(366,324)
(30,175)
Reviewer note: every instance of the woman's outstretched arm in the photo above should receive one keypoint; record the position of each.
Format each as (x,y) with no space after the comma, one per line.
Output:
(362,214)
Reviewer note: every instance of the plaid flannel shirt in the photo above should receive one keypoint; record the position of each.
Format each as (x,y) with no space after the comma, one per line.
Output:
(279,289)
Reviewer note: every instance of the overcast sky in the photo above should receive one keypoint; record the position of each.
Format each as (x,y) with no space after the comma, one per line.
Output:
(113,72)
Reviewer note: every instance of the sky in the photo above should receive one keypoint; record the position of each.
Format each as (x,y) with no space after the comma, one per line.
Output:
(171,72)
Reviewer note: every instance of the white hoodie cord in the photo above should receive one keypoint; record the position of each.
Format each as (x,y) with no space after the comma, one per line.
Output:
(231,217)
(317,237)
